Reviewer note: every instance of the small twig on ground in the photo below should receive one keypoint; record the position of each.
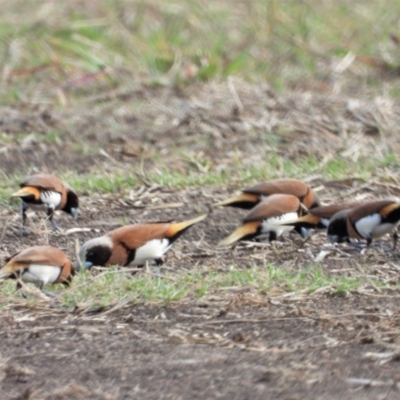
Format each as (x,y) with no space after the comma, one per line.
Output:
(234,94)
(118,306)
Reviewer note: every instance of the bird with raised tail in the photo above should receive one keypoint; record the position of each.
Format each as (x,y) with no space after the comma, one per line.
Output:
(40,265)
(251,196)
(367,221)
(265,219)
(47,193)
(318,218)
(133,244)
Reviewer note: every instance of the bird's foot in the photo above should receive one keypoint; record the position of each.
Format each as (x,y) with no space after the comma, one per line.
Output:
(21,231)
(157,272)
(48,294)
(360,246)
(56,228)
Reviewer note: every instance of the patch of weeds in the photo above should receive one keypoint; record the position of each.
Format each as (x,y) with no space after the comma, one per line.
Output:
(168,177)
(98,292)
(97,182)
(114,287)
(52,137)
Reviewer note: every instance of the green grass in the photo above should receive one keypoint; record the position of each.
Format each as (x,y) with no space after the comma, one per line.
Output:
(101,182)
(185,41)
(120,180)
(97,292)
(275,167)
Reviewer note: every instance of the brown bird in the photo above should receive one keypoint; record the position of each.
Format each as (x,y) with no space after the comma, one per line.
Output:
(253,195)
(367,221)
(47,193)
(133,244)
(318,218)
(265,219)
(40,265)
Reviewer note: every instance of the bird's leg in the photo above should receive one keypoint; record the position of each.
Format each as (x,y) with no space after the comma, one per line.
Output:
(23,231)
(147,266)
(18,286)
(359,246)
(48,294)
(363,247)
(159,262)
(272,236)
(23,212)
(395,239)
(50,213)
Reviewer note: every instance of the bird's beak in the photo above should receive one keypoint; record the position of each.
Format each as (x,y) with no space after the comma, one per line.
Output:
(75,212)
(305,233)
(333,238)
(77,266)
(83,264)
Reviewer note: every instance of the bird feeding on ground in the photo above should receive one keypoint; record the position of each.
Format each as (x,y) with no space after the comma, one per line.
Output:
(251,196)
(318,218)
(40,265)
(367,221)
(265,219)
(133,244)
(47,193)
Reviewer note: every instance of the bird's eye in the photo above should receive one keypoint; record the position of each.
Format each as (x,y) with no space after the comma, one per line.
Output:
(90,254)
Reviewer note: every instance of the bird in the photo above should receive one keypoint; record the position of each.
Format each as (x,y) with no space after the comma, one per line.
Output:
(40,265)
(133,244)
(367,221)
(318,218)
(265,218)
(43,192)
(251,196)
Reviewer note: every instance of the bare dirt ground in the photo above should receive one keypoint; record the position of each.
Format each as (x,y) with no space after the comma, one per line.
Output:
(232,344)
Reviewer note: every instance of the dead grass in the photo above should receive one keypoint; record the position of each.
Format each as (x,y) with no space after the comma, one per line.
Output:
(156,110)
(99,87)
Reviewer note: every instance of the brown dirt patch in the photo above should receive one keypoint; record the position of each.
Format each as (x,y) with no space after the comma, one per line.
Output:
(232,344)
(254,348)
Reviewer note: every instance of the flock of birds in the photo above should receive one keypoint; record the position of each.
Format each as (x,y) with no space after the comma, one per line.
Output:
(276,206)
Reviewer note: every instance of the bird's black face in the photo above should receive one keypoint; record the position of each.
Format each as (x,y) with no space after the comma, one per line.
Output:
(337,228)
(246,205)
(72,205)
(96,255)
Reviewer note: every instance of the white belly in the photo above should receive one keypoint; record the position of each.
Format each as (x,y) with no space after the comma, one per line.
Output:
(45,274)
(152,250)
(367,225)
(52,199)
(272,224)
